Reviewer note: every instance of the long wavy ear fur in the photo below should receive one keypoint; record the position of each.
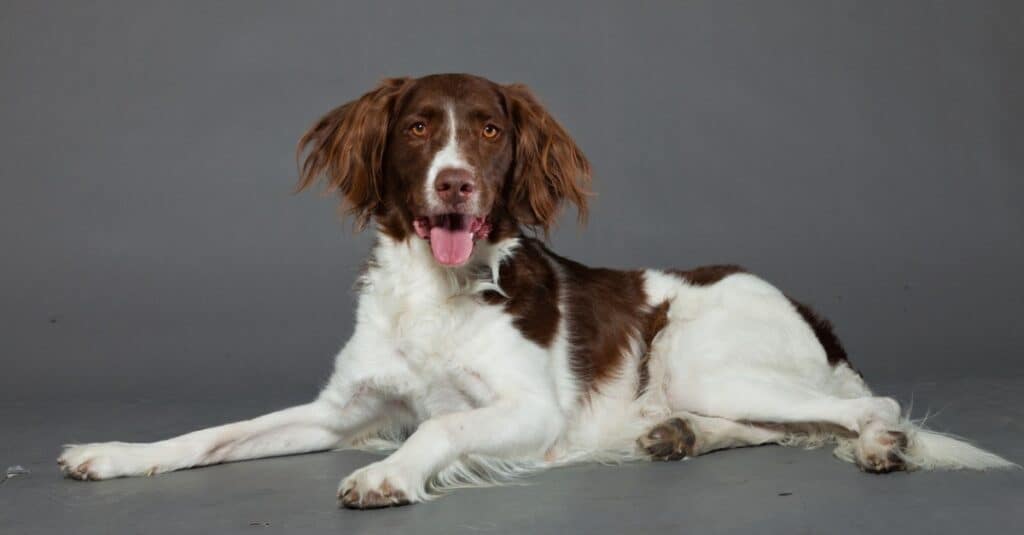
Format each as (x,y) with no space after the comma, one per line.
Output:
(346,149)
(548,169)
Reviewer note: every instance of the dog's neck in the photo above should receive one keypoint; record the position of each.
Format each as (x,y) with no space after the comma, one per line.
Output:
(410,261)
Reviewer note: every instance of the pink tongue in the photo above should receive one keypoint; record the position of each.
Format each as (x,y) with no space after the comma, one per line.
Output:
(451,247)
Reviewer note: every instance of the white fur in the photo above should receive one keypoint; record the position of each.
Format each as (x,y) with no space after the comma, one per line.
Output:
(486,404)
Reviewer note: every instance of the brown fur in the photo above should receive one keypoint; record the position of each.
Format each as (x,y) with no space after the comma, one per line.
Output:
(347,145)
(476,103)
(549,167)
(707,275)
(531,287)
(824,332)
(606,309)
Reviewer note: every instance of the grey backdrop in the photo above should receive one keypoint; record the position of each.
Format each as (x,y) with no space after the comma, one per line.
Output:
(865,156)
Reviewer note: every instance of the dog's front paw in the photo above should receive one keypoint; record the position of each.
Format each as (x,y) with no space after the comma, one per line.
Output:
(381,484)
(106,460)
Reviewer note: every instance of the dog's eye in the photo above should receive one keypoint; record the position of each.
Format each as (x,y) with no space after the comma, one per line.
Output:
(418,129)
(491,131)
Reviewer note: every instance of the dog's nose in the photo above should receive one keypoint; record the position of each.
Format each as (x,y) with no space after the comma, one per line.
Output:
(453,184)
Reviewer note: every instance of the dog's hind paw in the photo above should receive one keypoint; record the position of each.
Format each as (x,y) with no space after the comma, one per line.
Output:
(670,440)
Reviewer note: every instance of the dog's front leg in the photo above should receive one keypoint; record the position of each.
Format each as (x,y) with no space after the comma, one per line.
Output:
(507,429)
(321,425)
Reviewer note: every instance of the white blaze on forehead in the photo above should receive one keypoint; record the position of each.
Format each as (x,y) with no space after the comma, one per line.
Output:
(449,157)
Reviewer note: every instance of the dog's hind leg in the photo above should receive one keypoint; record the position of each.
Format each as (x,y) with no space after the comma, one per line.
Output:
(317,426)
(874,437)
(785,402)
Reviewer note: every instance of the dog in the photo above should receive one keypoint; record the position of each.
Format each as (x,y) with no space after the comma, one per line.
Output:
(479,354)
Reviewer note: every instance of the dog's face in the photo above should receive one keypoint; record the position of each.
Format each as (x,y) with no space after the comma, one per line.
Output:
(447,150)
(452,159)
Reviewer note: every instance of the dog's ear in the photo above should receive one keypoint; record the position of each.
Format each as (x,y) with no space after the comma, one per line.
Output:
(346,148)
(548,167)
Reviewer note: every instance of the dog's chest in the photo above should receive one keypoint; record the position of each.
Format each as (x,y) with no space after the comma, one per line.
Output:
(442,343)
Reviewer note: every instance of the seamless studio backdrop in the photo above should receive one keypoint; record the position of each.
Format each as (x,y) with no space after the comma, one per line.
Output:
(865,156)
(158,276)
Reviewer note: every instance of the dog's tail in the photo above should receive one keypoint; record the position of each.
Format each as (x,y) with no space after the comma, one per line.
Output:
(930,450)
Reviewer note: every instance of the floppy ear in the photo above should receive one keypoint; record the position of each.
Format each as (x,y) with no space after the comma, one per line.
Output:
(548,167)
(346,148)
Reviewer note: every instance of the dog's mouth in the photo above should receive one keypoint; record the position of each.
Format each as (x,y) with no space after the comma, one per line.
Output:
(451,236)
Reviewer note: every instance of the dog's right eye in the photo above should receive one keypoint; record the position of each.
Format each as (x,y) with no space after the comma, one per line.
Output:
(418,129)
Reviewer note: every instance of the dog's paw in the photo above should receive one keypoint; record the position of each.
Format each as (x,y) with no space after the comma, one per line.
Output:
(670,440)
(378,485)
(881,451)
(105,460)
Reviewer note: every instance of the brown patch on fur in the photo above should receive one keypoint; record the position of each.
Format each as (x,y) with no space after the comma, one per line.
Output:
(606,309)
(825,334)
(707,275)
(532,289)
(654,322)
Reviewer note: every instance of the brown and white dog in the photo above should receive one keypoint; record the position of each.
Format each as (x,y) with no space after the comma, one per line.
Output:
(490,355)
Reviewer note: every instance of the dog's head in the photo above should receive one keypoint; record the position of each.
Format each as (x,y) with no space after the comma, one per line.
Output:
(449,158)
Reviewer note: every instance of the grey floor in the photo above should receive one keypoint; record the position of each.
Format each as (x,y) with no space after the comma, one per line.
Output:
(756,490)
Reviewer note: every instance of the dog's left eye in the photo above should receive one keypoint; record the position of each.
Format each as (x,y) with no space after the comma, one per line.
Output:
(491,131)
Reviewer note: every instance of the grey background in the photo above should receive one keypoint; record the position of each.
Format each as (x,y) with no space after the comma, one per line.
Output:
(156,274)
